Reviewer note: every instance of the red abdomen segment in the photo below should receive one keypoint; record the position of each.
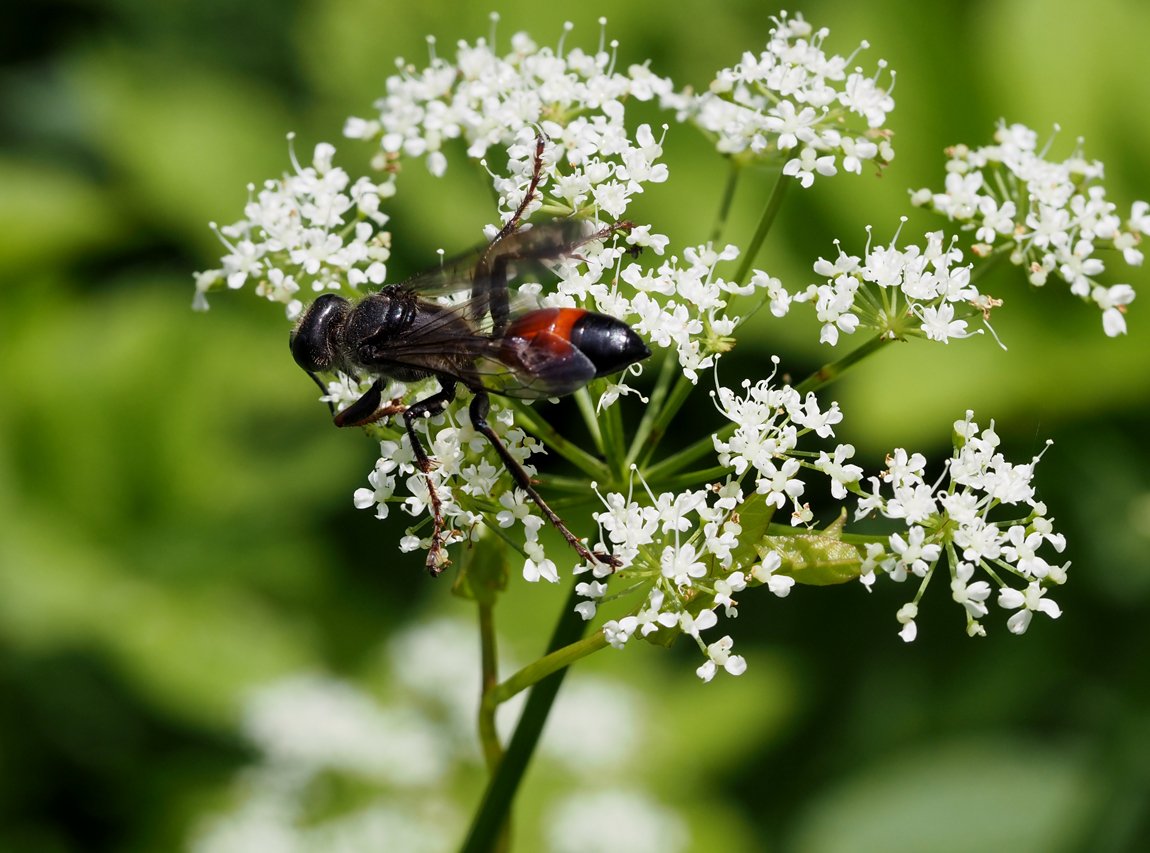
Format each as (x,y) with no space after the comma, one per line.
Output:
(558,350)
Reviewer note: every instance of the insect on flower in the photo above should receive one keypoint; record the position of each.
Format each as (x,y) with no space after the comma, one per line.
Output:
(484,342)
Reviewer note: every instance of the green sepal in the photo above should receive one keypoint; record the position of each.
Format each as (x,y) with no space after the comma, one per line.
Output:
(482,570)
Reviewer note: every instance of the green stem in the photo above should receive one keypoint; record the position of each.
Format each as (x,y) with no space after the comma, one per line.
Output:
(488,736)
(594,468)
(728,197)
(769,213)
(678,396)
(495,809)
(680,460)
(691,478)
(545,666)
(831,371)
(587,410)
(613,441)
(654,405)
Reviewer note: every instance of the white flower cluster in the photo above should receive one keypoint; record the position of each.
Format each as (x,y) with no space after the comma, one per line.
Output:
(768,424)
(312,227)
(1052,217)
(795,102)
(897,292)
(682,546)
(691,548)
(468,484)
(953,522)
(682,304)
(574,98)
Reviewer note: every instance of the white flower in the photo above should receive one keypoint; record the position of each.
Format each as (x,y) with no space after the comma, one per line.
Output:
(906,616)
(719,655)
(1027,602)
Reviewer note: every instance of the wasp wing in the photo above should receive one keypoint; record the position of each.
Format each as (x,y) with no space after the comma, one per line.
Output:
(524,251)
(444,342)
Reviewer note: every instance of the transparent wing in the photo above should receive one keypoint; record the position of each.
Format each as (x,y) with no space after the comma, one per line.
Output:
(445,342)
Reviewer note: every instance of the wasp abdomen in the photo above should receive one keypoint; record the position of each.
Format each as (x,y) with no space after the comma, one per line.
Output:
(610,344)
(605,344)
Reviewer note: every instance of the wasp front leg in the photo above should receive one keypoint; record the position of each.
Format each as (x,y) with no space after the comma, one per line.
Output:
(480,405)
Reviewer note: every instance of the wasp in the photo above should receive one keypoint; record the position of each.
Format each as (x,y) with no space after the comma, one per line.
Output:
(482,341)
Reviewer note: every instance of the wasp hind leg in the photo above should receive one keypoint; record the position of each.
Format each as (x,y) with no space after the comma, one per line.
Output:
(480,405)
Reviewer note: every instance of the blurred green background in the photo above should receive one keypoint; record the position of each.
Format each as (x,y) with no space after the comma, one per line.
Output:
(177,524)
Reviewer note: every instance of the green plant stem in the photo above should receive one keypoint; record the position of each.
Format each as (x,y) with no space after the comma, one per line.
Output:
(691,478)
(728,197)
(765,222)
(594,468)
(565,647)
(678,461)
(831,371)
(655,404)
(488,736)
(587,410)
(613,441)
(678,396)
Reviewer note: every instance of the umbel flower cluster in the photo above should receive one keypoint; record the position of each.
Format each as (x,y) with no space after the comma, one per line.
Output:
(686,540)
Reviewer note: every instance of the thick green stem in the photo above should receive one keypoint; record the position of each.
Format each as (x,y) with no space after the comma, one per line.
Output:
(768,219)
(831,371)
(496,806)
(488,736)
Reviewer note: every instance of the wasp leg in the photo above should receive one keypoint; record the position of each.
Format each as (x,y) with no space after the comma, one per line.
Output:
(512,224)
(489,290)
(365,410)
(480,405)
(437,556)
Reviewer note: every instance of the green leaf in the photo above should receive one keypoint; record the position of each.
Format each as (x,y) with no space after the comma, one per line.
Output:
(816,559)
(755,518)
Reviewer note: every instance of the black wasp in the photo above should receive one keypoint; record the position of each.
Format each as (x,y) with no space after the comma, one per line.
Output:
(481,342)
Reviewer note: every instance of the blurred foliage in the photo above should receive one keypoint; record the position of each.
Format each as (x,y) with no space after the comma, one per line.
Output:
(177,518)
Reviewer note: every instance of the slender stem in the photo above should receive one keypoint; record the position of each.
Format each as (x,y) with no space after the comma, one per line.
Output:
(587,410)
(833,370)
(680,460)
(728,197)
(496,806)
(769,213)
(488,736)
(536,672)
(655,403)
(675,400)
(691,478)
(594,468)
(613,441)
